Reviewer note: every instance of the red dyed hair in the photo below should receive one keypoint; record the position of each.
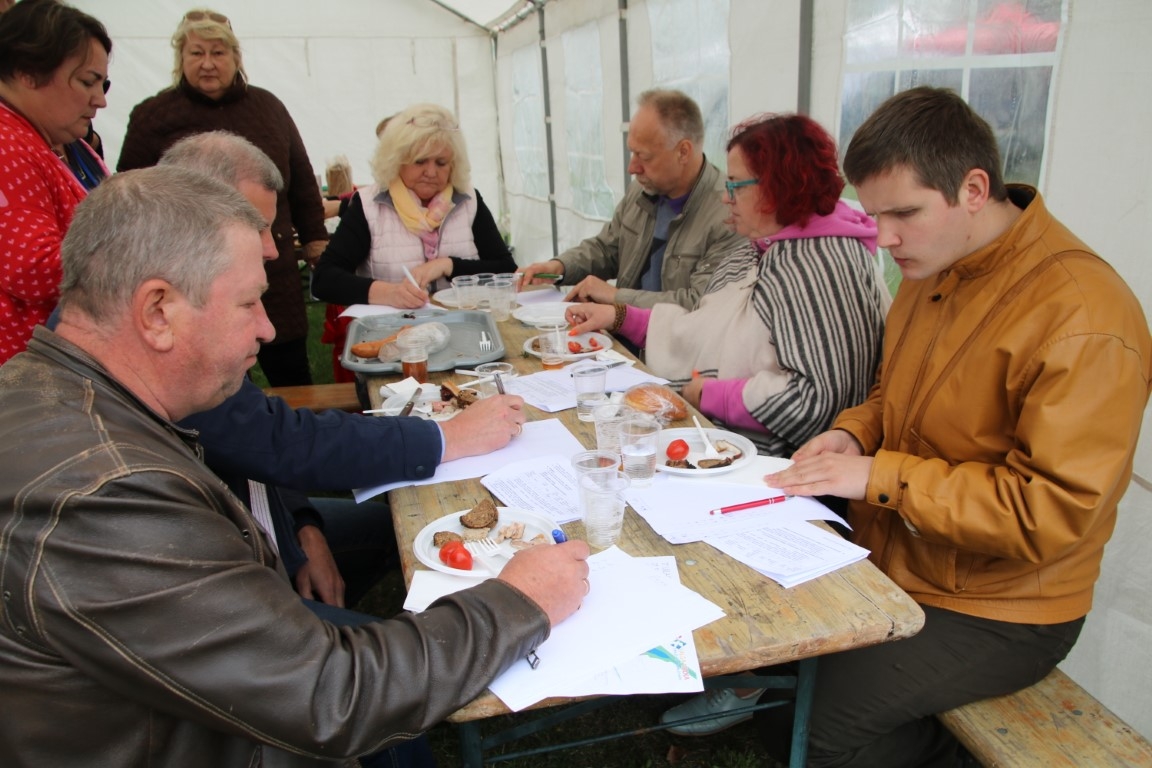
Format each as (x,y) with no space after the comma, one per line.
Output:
(796,162)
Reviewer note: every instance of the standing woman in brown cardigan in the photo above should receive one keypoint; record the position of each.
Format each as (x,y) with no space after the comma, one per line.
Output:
(210,92)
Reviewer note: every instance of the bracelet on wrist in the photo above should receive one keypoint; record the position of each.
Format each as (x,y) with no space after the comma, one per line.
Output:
(621,312)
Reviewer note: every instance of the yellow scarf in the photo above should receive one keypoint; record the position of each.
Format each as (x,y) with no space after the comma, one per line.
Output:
(420,221)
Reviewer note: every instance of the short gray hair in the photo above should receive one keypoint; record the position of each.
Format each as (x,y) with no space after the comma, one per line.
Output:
(225,157)
(678,113)
(154,223)
(417,132)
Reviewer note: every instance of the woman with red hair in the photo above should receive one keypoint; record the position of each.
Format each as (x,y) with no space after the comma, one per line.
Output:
(788,332)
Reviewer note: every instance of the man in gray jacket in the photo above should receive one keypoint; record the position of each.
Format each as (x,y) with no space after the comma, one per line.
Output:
(143,610)
(668,233)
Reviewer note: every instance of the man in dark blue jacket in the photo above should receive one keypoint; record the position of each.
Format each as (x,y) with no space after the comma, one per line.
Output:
(267,452)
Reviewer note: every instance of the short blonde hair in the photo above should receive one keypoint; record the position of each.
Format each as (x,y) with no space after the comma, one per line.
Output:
(419,131)
(205,24)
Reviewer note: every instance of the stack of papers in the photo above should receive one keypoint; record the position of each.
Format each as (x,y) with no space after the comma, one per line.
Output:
(633,633)
(553,391)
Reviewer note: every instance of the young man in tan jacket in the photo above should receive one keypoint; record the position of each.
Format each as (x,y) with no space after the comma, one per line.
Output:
(985,469)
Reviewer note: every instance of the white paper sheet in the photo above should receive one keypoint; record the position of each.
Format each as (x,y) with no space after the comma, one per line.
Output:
(543,295)
(627,612)
(539,438)
(544,484)
(552,391)
(791,553)
(677,507)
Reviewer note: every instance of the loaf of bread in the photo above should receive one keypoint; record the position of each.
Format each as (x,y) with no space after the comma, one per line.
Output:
(658,400)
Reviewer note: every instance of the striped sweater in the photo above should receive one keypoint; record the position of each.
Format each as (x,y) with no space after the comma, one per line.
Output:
(791,336)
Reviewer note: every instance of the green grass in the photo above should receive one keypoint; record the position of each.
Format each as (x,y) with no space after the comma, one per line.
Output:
(319,355)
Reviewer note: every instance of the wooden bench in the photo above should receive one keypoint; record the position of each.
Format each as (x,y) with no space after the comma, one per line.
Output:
(319,397)
(1053,724)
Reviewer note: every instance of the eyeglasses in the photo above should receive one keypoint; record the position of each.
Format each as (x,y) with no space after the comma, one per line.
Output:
(219,18)
(732,186)
(432,122)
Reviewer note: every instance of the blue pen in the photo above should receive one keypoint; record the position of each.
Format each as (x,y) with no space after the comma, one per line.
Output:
(558,536)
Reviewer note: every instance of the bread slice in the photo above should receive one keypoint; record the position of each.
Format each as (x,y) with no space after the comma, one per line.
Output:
(483,515)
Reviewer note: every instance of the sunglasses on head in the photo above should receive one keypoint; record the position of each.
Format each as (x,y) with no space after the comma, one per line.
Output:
(432,122)
(219,18)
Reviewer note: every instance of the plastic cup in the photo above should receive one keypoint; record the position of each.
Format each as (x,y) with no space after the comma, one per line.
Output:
(501,297)
(603,504)
(594,462)
(466,290)
(607,417)
(484,370)
(553,338)
(413,356)
(589,382)
(638,445)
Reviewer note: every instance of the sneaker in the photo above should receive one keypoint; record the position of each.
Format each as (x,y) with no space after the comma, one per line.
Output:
(719,701)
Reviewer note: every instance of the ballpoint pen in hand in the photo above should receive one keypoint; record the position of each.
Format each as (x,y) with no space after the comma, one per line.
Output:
(499,383)
(411,279)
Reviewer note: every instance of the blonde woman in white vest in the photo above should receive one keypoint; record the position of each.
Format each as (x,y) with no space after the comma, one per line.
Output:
(421,214)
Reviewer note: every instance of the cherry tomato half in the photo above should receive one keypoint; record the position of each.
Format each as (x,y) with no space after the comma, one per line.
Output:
(448,548)
(677,450)
(593,343)
(460,558)
(575,348)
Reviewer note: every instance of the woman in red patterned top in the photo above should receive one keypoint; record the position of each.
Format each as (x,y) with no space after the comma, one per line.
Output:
(53,76)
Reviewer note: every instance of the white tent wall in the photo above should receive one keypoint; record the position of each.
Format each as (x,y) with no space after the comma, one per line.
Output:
(339,68)
(342,68)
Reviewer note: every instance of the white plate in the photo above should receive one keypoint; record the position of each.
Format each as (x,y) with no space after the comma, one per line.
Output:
(429,555)
(446,297)
(696,450)
(605,342)
(429,394)
(552,311)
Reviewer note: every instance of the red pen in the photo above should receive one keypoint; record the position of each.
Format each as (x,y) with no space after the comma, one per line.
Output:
(748,505)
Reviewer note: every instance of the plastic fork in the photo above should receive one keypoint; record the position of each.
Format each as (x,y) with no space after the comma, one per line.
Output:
(709,449)
(485,342)
(493,548)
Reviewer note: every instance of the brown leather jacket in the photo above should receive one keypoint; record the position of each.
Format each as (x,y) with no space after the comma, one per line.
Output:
(1004,424)
(146,623)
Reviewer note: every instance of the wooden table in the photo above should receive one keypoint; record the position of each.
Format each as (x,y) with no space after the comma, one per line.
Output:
(764,624)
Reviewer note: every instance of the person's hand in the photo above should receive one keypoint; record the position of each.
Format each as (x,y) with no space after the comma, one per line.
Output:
(483,427)
(319,578)
(832,464)
(402,295)
(553,577)
(430,271)
(589,317)
(693,391)
(594,289)
(528,273)
(311,252)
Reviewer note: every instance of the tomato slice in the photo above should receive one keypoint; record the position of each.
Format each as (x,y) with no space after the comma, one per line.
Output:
(575,348)
(677,450)
(593,343)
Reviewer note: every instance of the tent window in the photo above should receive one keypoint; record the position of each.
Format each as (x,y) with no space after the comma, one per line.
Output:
(528,141)
(690,52)
(584,106)
(998,54)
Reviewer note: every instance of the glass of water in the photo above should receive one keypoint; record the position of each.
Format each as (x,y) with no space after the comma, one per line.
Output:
(639,436)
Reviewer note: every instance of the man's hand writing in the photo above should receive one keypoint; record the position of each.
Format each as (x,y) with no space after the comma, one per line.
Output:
(483,427)
(554,577)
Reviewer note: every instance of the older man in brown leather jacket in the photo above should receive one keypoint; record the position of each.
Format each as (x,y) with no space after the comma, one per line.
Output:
(146,620)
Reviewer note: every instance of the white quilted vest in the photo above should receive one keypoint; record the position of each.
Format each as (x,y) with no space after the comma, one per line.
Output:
(394,247)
